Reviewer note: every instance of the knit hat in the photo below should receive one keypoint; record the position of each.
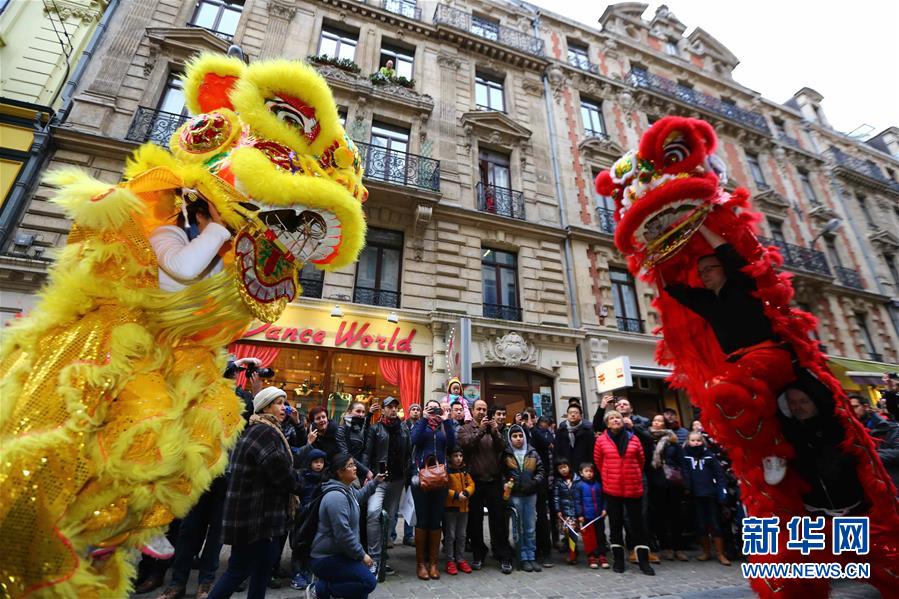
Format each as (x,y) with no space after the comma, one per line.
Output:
(266,397)
(315,454)
(450,382)
(413,406)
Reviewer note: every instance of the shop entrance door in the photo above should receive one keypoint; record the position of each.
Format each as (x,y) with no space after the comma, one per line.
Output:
(511,388)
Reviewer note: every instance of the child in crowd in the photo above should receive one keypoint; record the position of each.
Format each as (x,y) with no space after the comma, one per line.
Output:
(455,513)
(524,471)
(704,480)
(566,505)
(312,477)
(592,518)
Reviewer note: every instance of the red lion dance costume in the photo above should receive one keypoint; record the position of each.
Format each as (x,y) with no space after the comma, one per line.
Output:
(663,194)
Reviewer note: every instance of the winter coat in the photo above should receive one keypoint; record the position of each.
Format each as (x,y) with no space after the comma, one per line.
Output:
(887,433)
(582,450)
(621,476)
(459,480)
(328,442)
(540,440)
(665,452)
(589,496)
(703,474)
(351,439)
(338,521)
(377,445)
(565,498)
(483,448)
(431,442)
(312,482)
(262,480)
(526,478)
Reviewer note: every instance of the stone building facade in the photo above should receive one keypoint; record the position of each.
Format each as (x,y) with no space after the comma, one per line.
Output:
(480,149)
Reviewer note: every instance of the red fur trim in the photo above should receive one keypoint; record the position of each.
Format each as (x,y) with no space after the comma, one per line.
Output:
(214,92)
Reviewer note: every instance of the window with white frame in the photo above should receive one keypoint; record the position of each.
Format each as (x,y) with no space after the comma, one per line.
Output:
(488,91)
(591,115)
(218,16)
(336,43)
(403,59)
(578,56)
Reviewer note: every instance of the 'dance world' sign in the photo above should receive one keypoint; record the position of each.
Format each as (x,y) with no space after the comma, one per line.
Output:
(350,335)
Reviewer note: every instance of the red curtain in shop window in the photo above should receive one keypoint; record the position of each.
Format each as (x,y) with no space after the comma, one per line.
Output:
(265,353)
(405,374)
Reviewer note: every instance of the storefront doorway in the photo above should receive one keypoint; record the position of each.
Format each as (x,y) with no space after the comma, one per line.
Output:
(513,388)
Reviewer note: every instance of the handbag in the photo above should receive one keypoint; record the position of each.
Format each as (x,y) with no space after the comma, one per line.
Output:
(673,475)
(433,475)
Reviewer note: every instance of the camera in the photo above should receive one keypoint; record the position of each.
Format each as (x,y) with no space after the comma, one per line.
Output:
(264,373)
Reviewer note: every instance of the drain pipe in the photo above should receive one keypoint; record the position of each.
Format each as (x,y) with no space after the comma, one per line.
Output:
(567,258)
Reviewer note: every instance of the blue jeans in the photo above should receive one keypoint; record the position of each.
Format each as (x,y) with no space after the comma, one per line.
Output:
(204,521)
(254,561)
(525,534)
(342,576)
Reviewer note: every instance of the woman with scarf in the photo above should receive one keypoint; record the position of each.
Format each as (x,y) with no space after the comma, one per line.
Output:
(524,472)
(259,498)
(432,437)
(618,455)
(351,438)
(666,489)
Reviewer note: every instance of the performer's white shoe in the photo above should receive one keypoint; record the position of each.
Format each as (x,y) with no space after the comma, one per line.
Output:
(775,469)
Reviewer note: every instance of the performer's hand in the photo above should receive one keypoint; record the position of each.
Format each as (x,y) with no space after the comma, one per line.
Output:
(214,215)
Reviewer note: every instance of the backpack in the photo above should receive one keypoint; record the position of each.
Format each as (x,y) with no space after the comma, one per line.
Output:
(305,528)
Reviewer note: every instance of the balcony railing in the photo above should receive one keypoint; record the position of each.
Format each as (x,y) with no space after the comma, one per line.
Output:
(404,8)
(849,278)
(584,64)
(606,219)
(458,19)
(673,89)
(502,312)
(154,125)
(875,356)
(376,297)
(630,325)
(228,37)
(500,200)
(862,167)
(800,258)
(790,141)
(312,287)
(399,168)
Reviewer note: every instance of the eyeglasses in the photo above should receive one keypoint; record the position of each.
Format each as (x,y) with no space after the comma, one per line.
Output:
(350,465)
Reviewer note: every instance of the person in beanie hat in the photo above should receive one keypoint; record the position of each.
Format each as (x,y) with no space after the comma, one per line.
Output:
(258,497)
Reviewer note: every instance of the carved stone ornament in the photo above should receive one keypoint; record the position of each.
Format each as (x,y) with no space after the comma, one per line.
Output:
(422,218)
(771,201)
(511,350)
(600,149)
(822,213)
(884,241)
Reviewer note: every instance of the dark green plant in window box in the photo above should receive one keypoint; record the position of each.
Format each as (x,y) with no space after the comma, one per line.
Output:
(344,64)
(380,78)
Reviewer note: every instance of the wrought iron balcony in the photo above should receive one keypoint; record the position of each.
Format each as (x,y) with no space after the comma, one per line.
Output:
(399,168)
(154,125)
(500,200)
(489,30)
(790,141)
(376,297)
(312,287)
(877,357)
(646,80)
(866,168)
(849,278)
(228,37)
(799,257)
(502,312)
(584,64)
(606,219)
(630,325)
(404,8)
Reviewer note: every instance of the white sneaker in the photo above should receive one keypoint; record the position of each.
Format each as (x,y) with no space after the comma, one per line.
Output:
(775,469)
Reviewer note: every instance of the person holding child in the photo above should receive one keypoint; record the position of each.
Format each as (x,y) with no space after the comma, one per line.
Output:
(567,506)
(592,519)
(525,473)
(704,480)
(455,513)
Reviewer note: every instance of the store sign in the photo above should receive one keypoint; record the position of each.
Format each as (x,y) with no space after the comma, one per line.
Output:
(614,374)
(350,334)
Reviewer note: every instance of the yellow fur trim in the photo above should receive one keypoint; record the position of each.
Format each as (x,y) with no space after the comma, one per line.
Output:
(264,80)
(197,70)
(92,203)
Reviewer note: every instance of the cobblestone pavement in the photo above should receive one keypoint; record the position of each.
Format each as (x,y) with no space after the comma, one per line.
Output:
(673,580)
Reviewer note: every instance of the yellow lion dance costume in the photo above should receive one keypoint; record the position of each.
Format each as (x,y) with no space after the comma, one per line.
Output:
(115,415)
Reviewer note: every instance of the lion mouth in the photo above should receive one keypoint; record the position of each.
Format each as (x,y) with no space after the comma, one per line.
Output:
(276,279)
(666,230)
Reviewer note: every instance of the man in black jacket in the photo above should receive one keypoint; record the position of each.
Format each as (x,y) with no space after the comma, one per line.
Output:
(879,428)
(574,438)
(387,449)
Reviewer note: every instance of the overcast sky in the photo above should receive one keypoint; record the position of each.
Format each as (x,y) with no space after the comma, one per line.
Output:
(847,51)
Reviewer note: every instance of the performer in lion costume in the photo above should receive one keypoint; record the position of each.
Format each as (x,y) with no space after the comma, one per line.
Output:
(115,415)
(743,369)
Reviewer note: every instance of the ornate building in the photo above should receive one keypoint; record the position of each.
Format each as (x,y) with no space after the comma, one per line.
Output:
(480,147)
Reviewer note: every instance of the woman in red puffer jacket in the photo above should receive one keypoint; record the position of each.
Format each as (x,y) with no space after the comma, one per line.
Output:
(618,455)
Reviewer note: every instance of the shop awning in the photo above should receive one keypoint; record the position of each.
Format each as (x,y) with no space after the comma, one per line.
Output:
(650,372)
(860,372)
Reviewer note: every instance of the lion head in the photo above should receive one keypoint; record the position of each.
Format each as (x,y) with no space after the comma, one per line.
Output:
(664,190)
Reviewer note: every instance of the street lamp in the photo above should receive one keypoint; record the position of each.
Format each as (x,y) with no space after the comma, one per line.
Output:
(831,226)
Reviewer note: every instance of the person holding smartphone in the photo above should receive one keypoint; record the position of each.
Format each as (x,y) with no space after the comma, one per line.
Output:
(387,448)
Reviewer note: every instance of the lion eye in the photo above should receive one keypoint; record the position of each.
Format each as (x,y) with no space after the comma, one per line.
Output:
(675,152)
